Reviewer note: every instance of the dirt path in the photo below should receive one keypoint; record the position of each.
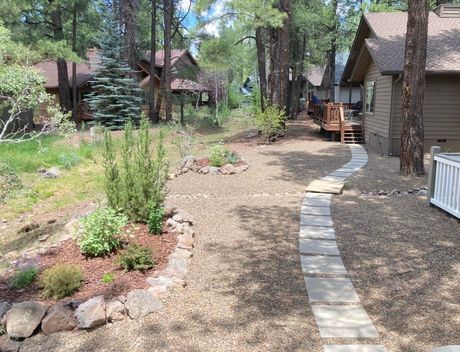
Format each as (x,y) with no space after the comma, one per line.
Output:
(245,287)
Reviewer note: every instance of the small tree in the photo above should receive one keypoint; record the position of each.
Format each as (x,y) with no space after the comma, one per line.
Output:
(116,97)
(271,121)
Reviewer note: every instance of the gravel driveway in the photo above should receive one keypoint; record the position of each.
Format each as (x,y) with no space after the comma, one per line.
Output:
(245,286)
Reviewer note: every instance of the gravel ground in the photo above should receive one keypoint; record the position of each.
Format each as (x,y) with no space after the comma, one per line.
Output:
(403,257)
(245,286)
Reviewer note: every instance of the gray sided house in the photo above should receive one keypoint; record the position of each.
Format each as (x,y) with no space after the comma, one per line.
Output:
(376,62)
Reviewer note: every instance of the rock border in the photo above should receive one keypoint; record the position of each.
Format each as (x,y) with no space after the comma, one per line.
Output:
(189,163)
(24,318)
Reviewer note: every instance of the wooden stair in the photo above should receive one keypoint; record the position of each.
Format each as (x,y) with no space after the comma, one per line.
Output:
(353,136)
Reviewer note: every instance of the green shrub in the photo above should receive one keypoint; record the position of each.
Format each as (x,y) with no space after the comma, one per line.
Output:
(24,277)
(156,219)
(101,232)
(136,257)
(9,181)
(108,278)
(218,155)
(69,160)
(61,280)
(140,180)
(271,121)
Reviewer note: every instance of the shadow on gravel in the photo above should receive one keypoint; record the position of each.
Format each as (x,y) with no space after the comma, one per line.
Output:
(404,259)
(302,167)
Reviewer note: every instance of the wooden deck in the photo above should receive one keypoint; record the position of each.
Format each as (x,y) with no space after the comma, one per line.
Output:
(331,118)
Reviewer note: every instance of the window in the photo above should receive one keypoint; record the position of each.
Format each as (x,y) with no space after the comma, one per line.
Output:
(370,96)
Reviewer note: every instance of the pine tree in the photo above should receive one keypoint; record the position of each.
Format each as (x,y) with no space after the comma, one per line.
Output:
(116,98)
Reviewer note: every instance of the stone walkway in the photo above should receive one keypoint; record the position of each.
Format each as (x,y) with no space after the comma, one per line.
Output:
(334,301)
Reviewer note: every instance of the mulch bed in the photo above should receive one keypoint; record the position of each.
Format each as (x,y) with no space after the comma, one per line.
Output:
(94,268)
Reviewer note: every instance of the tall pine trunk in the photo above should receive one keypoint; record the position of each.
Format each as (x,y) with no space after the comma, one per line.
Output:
(130,14)
(168,8)
(63,75)
(74,65)
(283,43)
(333,50)
(413,92)
(153,116)
(261,65)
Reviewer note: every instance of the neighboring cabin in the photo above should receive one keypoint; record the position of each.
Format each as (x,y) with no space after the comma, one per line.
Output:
(376,61)
(184,70)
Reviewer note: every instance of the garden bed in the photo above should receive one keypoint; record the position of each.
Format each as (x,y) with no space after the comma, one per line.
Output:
(69,252)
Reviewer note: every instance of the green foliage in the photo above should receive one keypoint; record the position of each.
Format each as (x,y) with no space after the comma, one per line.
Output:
(136,257)
(68,161)
(234,98)
(108,278)
(219,155)
(9,181)
(155,221)
(101,232)
(24,277)
(271,121)
(142,178)
(116,96)
(61,280)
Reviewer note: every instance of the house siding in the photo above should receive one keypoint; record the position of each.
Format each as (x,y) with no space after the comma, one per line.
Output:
(377,124)
(441,113)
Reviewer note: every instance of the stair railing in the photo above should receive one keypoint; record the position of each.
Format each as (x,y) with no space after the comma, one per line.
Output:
(342,125)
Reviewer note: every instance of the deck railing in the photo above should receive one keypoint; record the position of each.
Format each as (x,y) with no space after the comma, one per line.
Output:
(444,181)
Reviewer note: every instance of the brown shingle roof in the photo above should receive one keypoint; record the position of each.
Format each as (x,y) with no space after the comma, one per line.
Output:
(85,70)
(179,84)
(388,35)
(176,55)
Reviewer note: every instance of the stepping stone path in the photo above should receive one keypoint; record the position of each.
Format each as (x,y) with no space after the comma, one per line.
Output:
(334,301)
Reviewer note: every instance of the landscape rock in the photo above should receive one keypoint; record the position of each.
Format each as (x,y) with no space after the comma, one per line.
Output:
(195,168)
(51,173)
(91,313)
(185,241)
(213,170)
(242,168)
(204,170)
(228,169)
(202,162)
(115,310)
(141,303)
(171,223)
(187,162)
(252,135)
(169,211)
(161,286)
(7,345)
(182,216)
(58,318)
(4,308)
(72,227)
(23,318)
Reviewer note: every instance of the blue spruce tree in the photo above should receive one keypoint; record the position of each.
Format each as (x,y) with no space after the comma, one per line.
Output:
(116,97)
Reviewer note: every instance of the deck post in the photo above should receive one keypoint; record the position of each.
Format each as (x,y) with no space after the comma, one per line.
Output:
(432,173)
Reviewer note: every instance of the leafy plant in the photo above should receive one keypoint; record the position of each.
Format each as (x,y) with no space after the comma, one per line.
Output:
(69,160)
(61,280)
(101,232)
(108,278)
(271,121)
(24,277)
(155,221)
(218,155)
(183,140)
(136,257)
(140,179)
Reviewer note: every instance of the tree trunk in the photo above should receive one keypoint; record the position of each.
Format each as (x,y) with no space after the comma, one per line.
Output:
(130,11)
(283,44)
(74,66)
(274,75)
(63,75)
(411,160)
(168,7)
(333,50)
(153,116)
(261,64)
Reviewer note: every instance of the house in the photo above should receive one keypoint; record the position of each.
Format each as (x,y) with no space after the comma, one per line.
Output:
(183,66)
(84,73)
(376,62)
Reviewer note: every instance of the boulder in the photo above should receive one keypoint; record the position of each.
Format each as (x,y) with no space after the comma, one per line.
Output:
(23,318)
(195,168)
(160,286)
(7,345)
(4,308)
(115,310)
(72,227)
(202,162)
(228,169)
(252,135)
(59,318)
(242,168)
(171,223)
(187,162)
(185,241)
(169,211)
(91,313)
(213,170)
(141,303)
